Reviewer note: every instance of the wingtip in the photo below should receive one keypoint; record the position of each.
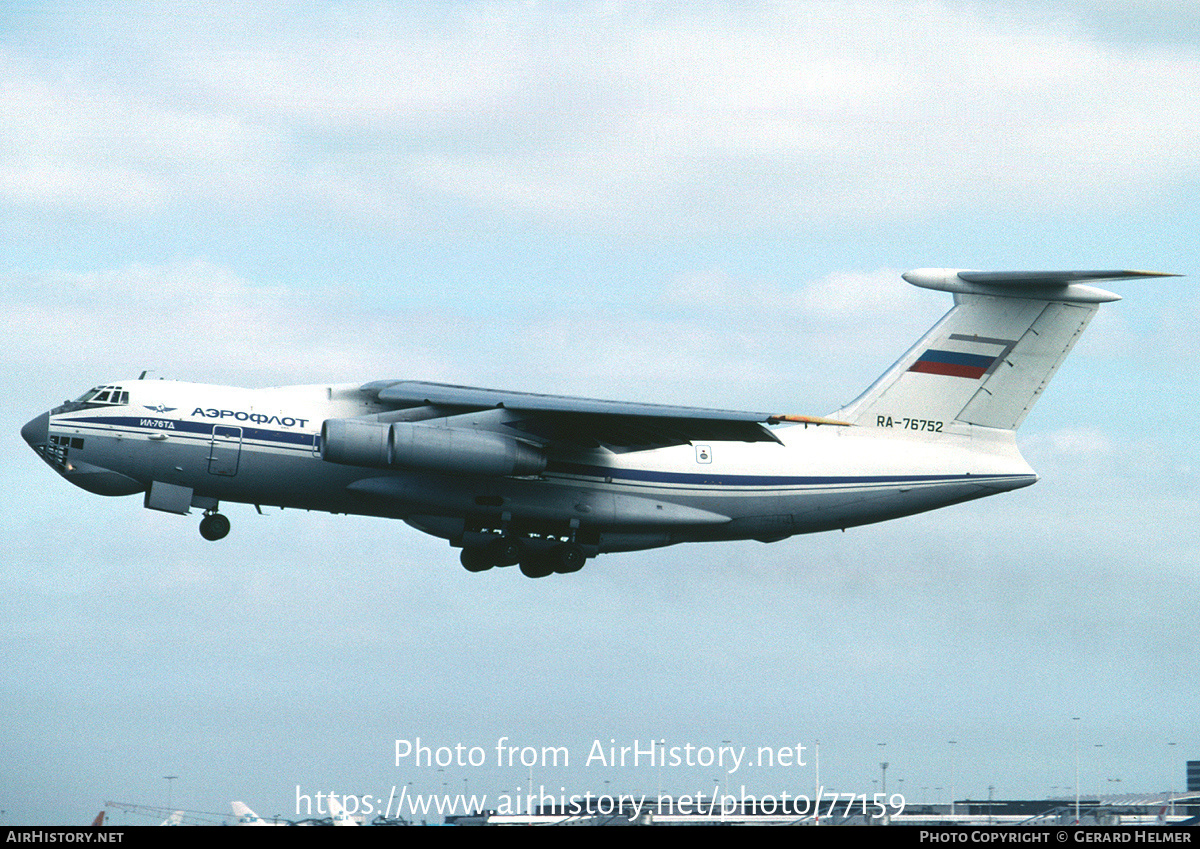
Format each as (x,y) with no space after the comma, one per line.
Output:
(1154,274)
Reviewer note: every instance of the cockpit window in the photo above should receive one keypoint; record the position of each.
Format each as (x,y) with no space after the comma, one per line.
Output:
(104,395)
(101,396)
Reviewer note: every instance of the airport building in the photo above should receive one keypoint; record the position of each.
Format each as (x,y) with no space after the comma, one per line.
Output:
(1159,809)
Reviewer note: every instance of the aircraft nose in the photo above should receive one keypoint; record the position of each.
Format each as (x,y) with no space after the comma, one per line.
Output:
(37,431)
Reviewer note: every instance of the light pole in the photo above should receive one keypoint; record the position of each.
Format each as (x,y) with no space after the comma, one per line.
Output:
(883,768)
(725,781)
(817,773)
(1170,781)
(952,744)
(1075,719)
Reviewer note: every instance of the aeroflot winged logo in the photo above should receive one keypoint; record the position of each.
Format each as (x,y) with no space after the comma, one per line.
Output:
(160,408)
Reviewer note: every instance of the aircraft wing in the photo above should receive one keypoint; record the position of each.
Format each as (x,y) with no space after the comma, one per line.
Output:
(406,393)
(615,423)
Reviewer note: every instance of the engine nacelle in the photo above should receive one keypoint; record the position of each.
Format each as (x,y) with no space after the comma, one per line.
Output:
(453,450)
(355,442)
(462,451)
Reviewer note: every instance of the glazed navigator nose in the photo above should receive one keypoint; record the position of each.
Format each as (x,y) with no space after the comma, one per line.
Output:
(37,431)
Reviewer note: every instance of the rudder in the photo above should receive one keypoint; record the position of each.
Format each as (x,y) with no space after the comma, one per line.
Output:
(990,358)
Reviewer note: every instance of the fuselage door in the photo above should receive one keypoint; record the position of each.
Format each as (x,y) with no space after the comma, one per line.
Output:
(225,450)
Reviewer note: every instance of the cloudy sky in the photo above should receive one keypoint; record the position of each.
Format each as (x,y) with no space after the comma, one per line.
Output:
(705,204)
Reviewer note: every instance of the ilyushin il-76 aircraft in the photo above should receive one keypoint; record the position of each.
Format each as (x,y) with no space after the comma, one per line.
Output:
(548,481)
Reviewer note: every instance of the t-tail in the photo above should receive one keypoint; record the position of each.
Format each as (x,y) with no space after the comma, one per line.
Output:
(990,358)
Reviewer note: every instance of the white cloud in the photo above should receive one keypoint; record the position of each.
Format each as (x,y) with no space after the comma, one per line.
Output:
(499,162)
(86,145)
(190,321)
(672,119)
(1086,443)
(707,338)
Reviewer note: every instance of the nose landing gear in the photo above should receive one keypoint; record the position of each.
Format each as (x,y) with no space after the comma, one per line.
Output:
(214,526)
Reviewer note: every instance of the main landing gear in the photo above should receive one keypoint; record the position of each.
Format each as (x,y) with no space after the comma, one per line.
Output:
(560,557)
(214,526)
(564,558)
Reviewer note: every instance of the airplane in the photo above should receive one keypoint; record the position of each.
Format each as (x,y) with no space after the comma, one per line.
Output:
(338,814)
(245,816)
(549,481)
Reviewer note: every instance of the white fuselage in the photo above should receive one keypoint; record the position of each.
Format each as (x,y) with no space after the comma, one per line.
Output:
(547,481)
(191,446)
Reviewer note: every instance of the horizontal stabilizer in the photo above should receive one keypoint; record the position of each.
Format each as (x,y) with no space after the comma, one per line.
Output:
(1052,278)
(990,358)
(1042,285)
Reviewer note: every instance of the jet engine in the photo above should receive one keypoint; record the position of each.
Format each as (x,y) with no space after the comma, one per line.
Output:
(453,450)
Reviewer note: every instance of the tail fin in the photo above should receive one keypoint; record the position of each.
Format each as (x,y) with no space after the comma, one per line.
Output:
(245,816)
(989,359)
(338,813)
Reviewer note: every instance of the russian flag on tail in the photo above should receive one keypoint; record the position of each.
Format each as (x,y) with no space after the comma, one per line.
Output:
(953,364)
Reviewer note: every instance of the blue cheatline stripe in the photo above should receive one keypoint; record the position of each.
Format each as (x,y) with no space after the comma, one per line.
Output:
(258,434)
(311,440)
(649,476)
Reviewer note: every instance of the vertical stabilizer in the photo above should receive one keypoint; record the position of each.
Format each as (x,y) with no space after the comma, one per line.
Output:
(990,358)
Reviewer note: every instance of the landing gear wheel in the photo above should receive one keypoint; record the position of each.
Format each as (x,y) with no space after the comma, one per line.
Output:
(214,526)
(476,559)
(567,557)
(506,551)
(537,565)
